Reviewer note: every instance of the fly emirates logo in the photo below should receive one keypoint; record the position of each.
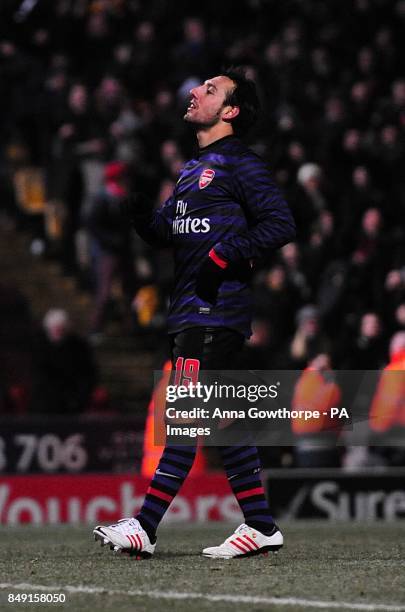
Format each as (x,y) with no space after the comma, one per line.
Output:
(187,225)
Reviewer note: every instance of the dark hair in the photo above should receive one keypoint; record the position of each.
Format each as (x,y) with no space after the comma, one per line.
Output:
(243,95)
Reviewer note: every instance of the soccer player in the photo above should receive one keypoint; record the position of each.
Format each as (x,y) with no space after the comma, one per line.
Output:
(224,213)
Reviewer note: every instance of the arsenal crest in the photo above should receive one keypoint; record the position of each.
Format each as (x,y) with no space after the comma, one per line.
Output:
(206,178)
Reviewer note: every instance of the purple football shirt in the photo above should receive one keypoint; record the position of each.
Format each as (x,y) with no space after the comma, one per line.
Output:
(224,199)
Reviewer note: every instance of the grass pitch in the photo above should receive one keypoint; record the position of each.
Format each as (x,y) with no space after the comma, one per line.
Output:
(358,564)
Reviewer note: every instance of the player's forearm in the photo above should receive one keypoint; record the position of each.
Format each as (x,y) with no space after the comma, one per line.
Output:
(272,232)
(269,217)
(144,226)
(149,223)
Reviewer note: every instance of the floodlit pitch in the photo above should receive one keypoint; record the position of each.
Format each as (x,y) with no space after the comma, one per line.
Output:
(323,566)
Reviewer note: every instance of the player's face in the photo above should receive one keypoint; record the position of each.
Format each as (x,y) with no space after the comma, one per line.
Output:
(206,107)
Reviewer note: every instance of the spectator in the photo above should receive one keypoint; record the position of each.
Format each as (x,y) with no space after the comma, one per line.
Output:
(394,298)
(110,242)
(308,340)
(293,264)
(367,351)
(76,139)
(64,370)
(369,260)
(387,411)
(317,390)
(400,316)
(275,300)
(357,197)
(352,152)
(193,51)
(321,247)
(257,353)
(310,200)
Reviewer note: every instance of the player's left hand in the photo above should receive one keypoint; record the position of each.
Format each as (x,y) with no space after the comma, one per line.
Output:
(209,280)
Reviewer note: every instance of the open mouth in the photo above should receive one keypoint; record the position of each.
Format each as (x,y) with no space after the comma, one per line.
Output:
(192,105)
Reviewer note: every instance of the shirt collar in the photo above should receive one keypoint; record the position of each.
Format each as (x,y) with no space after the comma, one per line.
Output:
(217,143)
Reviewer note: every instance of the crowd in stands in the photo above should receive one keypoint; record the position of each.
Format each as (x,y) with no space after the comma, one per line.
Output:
(86,83)
(94,91)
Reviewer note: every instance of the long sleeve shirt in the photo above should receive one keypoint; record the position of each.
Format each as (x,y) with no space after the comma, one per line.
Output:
(226,200)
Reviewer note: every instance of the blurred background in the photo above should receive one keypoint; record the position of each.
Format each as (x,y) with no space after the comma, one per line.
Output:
(91,105)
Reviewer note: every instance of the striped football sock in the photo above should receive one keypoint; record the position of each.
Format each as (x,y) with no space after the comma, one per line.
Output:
(174,466)
(242,466)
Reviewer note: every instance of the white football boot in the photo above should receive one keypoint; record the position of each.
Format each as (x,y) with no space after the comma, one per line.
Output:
(127,536)
(246,542)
